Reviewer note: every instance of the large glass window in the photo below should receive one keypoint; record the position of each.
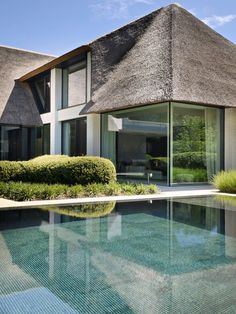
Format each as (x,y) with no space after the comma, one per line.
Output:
(74,85)
(41,91)
(175,143)
(74,137)
(196,143)
(136,141)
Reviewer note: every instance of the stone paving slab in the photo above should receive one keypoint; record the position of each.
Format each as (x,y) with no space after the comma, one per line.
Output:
(4,202)
(7,204)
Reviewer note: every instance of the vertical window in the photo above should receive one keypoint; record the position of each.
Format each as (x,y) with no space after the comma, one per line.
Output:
(74,137)
(41,91)
(42,140)
(74,85)
(46,139)
(196,154)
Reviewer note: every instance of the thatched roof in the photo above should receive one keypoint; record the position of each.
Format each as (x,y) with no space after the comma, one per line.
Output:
(167,55)
(17,105)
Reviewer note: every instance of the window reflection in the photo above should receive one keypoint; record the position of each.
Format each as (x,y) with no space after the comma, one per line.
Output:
(196,143)
(74,85)
(41,91)
(74,137)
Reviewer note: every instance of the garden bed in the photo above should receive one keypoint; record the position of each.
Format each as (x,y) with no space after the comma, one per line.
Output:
(21,191)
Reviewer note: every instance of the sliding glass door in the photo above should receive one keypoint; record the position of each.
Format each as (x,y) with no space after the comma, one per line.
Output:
(136,140)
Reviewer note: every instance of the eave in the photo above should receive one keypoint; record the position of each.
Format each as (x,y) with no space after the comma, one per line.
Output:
(55,62)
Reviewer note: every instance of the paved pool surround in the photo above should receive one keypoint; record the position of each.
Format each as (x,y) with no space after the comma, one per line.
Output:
(165,192)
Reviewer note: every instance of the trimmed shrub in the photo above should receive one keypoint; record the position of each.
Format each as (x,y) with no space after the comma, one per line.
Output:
(11,170)
(225,181)
(59,169)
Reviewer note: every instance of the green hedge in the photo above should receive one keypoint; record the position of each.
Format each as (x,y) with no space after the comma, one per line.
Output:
(19,191)
(225,181)
(59,169)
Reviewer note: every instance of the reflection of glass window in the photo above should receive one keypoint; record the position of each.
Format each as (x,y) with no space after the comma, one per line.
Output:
(74,137)
(196,143)
(74,85)
(41,91)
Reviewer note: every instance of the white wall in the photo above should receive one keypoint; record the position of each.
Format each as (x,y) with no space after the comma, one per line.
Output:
(230,138)
(93,120)
(56,100)
(70,113)
(93,134)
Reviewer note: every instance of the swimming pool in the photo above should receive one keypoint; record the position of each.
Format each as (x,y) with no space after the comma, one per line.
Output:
(165,256)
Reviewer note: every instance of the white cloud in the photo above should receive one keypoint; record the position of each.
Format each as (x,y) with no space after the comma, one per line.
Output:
(116,9)
(216,20)
(178,4)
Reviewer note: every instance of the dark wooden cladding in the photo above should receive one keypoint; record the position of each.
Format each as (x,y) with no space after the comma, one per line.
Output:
(56,62)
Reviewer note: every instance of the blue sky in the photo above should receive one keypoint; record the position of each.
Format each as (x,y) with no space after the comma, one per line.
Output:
(57,26)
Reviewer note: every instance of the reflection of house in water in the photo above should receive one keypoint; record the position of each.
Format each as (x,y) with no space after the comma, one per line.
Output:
(143,258)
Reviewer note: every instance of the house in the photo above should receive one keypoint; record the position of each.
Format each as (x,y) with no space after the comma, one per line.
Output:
(157,97)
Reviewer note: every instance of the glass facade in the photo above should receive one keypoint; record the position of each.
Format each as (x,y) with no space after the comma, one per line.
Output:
(11,143)
(74,85)
(23,143)
(172,142)
(74,137)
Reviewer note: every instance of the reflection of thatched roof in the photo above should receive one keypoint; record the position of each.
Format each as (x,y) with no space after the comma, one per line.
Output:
(167,55)
(17,105)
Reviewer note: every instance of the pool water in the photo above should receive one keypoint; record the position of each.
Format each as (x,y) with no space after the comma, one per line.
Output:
(168,256)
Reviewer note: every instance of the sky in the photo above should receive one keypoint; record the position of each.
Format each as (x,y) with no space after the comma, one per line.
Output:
(58,26)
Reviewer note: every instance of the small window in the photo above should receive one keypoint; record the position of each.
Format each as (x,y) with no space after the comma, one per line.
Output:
(74,85)
(41,90)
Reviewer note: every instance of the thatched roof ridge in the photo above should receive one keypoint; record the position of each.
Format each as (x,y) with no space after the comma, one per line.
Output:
(17,105)
(166,55)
